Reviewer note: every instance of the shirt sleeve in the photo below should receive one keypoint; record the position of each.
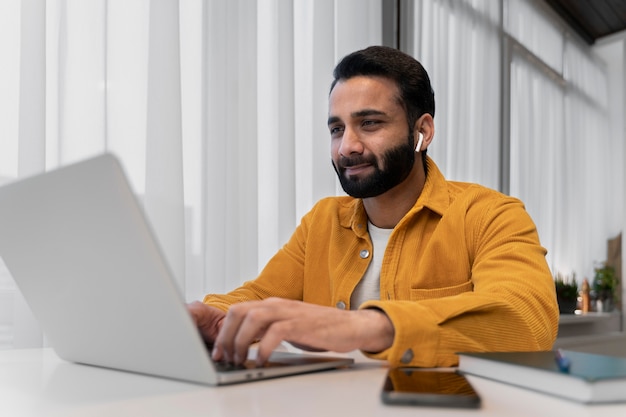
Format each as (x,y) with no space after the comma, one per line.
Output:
(509,304)
(281,277)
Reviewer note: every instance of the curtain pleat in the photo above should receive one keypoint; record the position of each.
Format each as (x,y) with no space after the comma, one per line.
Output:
(458,42)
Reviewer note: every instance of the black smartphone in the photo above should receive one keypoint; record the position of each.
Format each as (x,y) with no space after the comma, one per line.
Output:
(410,386)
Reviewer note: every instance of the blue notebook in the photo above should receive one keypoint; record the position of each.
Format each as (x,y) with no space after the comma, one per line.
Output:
(588,378)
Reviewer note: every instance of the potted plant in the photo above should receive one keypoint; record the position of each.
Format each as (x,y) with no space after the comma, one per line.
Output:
(604,285)
(566,293)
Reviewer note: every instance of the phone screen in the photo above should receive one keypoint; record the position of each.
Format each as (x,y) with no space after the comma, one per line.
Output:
(428,388)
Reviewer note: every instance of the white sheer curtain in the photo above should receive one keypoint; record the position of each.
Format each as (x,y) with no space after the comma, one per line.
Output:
(564,162)
(258,151)
(217,110)
(458,42)
(538,149)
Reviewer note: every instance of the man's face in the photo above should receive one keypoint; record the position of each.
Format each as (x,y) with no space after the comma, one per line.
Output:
(371,148)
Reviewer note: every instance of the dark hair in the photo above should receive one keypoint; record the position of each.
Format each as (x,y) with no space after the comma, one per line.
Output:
(416,94)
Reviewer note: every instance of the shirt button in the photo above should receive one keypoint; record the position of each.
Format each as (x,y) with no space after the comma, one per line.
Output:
(364,254)
(341,305)
(407,357)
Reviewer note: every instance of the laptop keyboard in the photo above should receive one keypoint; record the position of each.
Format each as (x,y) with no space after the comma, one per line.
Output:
(227,366)
(223,366)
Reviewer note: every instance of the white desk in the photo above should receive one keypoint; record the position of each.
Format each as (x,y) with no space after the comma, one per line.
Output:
(37,383)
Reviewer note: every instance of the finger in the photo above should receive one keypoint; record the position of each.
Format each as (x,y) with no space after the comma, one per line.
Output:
(194,310)
(230,345)
(252,328)
(208,319)
(246,323)
(222,350)
(273,336)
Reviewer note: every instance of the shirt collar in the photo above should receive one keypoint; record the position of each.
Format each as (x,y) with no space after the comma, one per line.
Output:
(435,194)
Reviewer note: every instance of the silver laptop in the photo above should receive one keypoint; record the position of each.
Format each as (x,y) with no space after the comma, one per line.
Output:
(84,256)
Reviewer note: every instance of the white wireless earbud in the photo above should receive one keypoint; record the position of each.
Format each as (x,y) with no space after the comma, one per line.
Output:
(419,142)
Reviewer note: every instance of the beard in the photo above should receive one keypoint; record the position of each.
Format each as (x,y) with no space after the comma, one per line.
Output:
(397,163)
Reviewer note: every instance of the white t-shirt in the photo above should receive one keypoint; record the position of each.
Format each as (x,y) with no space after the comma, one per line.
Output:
(369,286)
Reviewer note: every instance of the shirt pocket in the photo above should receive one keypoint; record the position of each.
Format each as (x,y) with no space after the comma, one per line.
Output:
(418,294)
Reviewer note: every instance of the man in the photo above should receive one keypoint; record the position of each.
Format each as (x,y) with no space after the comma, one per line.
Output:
(462,269)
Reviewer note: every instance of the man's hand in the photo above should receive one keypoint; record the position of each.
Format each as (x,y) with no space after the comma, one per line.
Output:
(208,319)
(322,328)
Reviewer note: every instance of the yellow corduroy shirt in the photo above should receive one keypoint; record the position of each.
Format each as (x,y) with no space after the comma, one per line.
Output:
(463,271)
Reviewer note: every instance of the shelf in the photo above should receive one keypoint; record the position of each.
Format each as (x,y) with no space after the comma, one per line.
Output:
(590,324)
(567,319)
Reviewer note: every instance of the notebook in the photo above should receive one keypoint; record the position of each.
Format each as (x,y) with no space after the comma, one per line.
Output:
(84,256)
(584,377)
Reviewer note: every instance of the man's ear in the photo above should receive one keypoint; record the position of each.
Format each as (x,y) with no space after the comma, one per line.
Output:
(424,132)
